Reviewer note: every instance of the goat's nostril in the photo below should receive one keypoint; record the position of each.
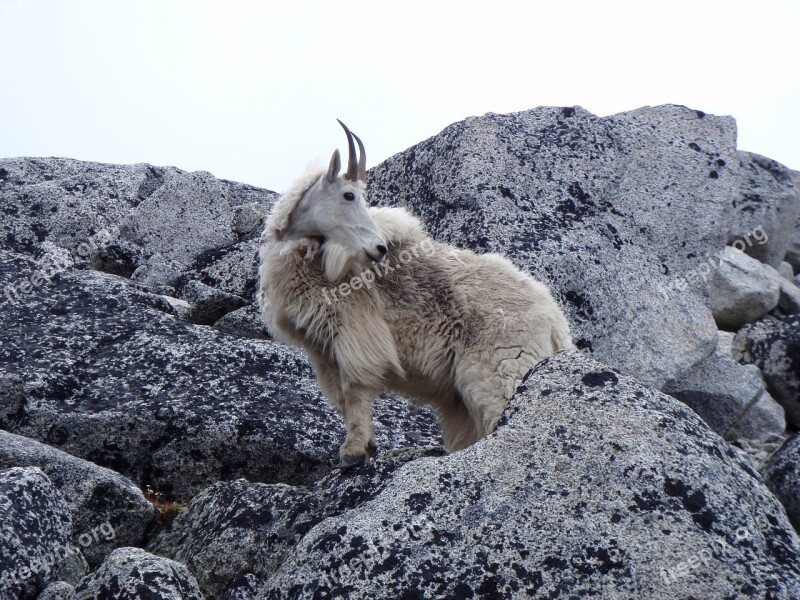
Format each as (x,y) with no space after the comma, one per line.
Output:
(382,249)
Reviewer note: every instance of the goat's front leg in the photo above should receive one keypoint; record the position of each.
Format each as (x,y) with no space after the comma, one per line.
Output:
(359,445)
(356,405)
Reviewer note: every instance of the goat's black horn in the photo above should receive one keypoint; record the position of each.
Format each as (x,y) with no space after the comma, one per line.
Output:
(352,164)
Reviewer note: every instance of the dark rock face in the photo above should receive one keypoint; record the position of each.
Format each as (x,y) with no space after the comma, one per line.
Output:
(773,345)
(35,530)
(106,508)
(782,476)
(593,485)
(237,528)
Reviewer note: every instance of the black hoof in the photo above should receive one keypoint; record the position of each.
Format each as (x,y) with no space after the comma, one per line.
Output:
(351,460)
(371,448)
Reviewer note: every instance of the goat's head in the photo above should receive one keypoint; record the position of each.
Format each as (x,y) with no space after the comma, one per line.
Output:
(334,211)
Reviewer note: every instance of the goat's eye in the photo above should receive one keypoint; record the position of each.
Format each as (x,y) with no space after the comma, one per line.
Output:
(349,196)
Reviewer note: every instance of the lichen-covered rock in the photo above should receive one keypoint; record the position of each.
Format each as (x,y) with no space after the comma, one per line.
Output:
(773,345)
(766,208)
(35,530)
(158,274)
(742,290)
(249,219)
(106,372)
(793,247)
(209,304)
(719,389)
(152,223)
(759,431)
(233,269)
(103,367)
(764,420)
(234,532)
(235,528)
(782,476)
(182,218)
(244,322)
(59,590)
(107,509)
(132,574)
(641,500)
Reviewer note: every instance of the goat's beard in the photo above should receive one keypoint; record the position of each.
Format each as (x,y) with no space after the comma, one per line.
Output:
(337,260)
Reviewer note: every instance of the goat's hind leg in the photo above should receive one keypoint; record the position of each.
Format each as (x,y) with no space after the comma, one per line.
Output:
(458,427)
(487,385)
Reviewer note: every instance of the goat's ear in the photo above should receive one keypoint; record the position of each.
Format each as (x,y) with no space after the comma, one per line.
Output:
(334,167)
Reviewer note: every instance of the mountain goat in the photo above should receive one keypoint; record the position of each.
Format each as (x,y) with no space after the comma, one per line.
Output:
(376,304)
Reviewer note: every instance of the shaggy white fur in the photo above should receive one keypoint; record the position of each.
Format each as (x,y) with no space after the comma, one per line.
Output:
(445,327)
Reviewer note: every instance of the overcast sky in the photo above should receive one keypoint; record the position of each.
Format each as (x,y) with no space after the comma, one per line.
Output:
(251,90)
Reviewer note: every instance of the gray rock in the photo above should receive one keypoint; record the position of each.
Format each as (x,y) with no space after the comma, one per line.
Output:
(719,389)
(180,308)
(158,273)
(60,590)
(35,529)
(764,420)
(116,218)
(75,566)
(789,302)
(570,197)
(782,476)
(766,207)
(793,249)
(244,322)
(742,290)
(641,500)
(787,271)
(107,509)
(103,371)
(132,573)
(184,217)
(249,219)
(760,429)
(209,304)
(773,345)
(725,341)
(233,270)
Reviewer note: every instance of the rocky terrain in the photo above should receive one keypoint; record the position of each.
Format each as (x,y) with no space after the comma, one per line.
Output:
(156,443)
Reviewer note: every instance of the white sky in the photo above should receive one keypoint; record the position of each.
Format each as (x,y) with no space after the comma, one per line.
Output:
(251,90)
